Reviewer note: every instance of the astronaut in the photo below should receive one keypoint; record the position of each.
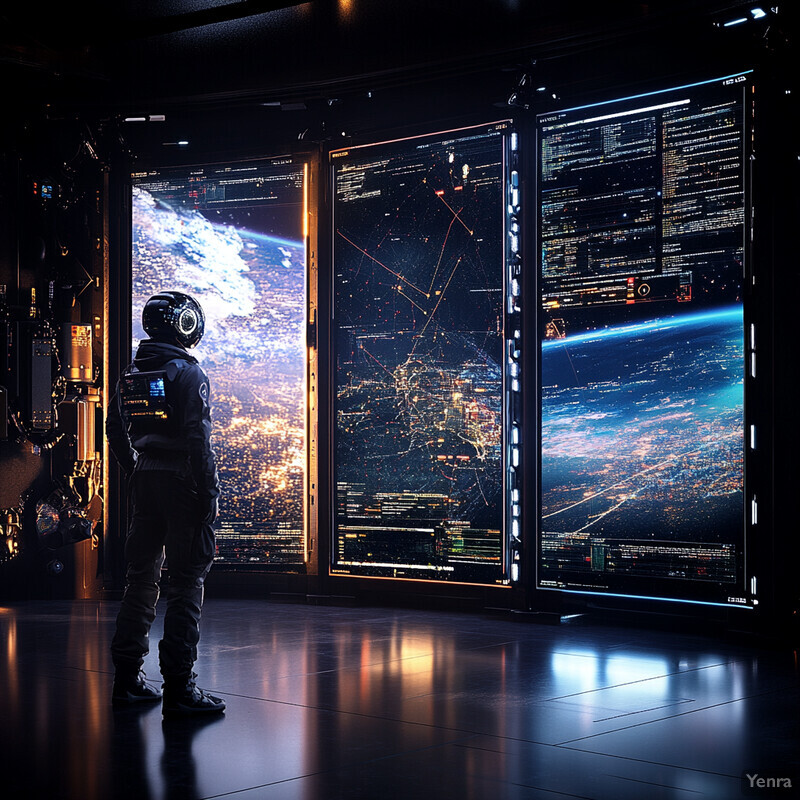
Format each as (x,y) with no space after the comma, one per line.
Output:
(159,429)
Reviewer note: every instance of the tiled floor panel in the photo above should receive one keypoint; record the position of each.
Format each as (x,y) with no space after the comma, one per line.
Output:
(328,702)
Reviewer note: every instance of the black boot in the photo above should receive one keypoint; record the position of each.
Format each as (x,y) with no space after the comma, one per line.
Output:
(183,697)
(132,687)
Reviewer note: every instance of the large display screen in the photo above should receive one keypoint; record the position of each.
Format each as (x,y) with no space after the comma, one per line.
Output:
(419,229)
(233,237)
(642,245)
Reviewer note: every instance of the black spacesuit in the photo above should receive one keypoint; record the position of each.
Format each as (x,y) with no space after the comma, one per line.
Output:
(159,429)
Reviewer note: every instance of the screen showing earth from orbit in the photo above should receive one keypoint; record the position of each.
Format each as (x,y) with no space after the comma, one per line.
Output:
(232,237)
(642,245)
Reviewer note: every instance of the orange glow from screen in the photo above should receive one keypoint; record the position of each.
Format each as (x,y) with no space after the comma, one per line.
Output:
(346,8)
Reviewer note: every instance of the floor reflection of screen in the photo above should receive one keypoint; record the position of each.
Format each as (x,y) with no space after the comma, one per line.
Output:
(232,236)
(642,245)
(418,246)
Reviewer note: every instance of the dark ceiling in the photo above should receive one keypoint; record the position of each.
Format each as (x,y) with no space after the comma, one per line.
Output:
(245,63)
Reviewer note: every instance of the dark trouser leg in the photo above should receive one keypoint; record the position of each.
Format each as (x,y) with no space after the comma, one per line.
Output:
(190,553)
(131,642)
(144,552)
(178,649)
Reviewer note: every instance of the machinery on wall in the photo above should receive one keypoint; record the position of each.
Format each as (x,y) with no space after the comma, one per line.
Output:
(51,334)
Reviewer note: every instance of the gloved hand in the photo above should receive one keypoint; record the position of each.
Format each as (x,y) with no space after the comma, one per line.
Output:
(209,510)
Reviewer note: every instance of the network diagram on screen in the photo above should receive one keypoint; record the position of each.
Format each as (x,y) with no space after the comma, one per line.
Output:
(418,250)
(232,236)
(642,242)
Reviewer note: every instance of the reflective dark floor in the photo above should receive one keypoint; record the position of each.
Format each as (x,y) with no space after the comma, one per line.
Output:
(383,703)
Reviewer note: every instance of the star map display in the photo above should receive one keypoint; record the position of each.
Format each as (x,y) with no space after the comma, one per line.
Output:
(232,237)
(642,246)
(418,248)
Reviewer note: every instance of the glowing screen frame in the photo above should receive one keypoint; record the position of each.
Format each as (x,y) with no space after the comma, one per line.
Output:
(422,410)
(235,236)
(643,249)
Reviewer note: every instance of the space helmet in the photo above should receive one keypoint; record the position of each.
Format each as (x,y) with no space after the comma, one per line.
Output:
(174,316)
